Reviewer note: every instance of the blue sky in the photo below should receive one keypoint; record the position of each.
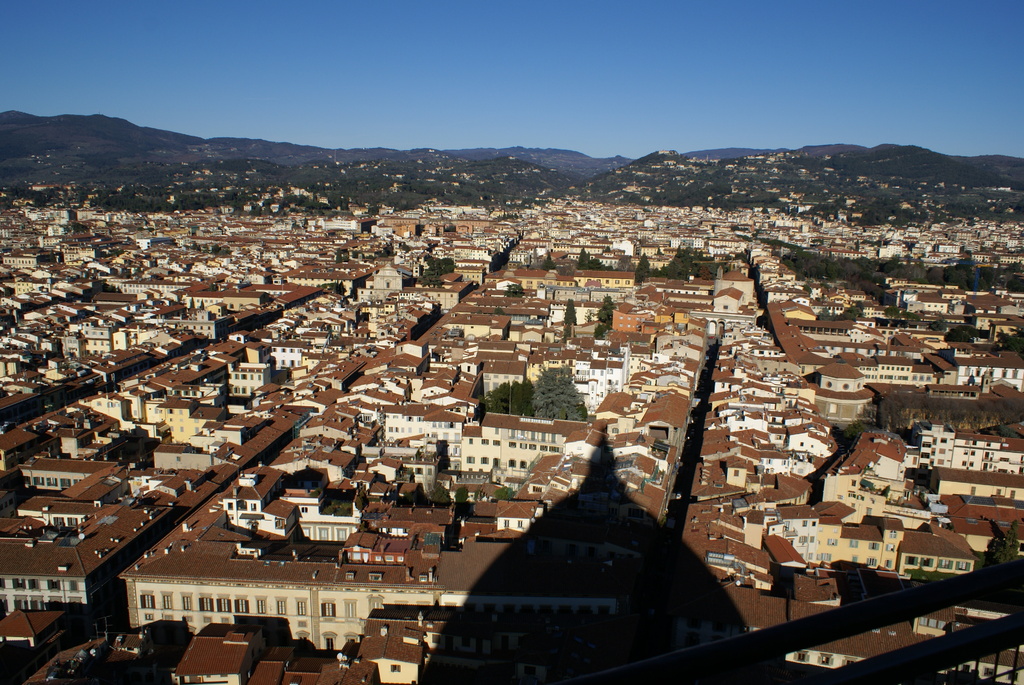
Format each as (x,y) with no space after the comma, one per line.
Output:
(600,77)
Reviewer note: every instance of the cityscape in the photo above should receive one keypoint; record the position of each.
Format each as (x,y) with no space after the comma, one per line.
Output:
(444,444)
(535,343)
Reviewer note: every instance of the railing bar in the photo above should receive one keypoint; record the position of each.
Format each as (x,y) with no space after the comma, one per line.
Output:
(940,652)
(760,645)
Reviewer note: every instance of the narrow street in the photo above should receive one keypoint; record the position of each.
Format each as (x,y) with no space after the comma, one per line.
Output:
(654,632)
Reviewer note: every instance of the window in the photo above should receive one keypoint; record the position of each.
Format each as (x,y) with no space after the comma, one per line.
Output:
(832,542)
(206,604)
(168,602)
(945,564)
(350,608)
(396,668)
(872,561)
(825,659)
(241,606)
(223,605)
(377,577)
(186,602)
(801,657)
(854,544)
(261,606)
(874,546)
(911,560)
(963,566)
(282,607)
(327,609)
(53,584)
(300,607)
(147,601)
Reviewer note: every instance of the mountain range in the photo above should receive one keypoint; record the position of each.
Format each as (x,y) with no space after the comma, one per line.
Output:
(882,183)
(61,144)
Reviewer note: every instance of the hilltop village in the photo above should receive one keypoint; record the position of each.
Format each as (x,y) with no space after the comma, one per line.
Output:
(449,445)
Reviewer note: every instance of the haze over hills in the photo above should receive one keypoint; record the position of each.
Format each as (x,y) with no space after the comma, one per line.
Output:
(884,183)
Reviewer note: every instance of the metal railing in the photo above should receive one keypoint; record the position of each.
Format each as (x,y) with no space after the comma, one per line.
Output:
(930,658)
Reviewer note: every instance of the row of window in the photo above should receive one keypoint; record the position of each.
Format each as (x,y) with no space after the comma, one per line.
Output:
(33,584)
(486,461)
(226,605)
(42,481)
(944,564)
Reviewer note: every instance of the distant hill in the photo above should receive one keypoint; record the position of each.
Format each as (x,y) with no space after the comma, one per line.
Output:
(887,183)
(730,153)
(569,162)
(74,147)
(736,152)
(1011,167)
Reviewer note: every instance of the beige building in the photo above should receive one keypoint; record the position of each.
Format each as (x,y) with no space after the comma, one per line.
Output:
(508,445)
(292,595)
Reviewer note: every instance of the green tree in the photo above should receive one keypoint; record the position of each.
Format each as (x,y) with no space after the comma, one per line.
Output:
(548,264)
(504,493)
(510,398)
(555,395)
(682,266)
(604,315)
(498,311)
(1005,548)
(962,334)
(1013,343)
(461,495)
(852,314)
(439,495)
(893,312)
(854,430)
(643,270)
(434,269)
(522,398)
(570,313)
(588,263)
(514,290)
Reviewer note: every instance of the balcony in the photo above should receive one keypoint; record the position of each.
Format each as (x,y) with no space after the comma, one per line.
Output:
(987,652)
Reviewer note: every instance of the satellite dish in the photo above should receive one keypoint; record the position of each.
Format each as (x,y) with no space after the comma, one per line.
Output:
(340,657)
(81,536)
